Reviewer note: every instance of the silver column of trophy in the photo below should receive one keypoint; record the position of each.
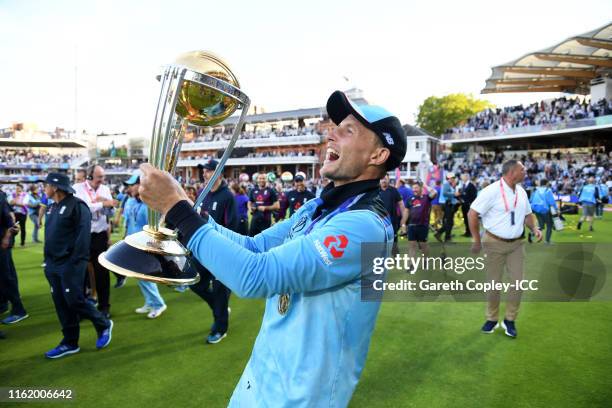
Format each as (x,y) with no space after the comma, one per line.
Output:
(198,89)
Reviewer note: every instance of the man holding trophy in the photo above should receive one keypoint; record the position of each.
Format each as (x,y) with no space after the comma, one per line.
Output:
(316,331)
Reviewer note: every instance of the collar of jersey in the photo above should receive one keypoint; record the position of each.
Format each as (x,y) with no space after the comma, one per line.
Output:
(222,186)
(333,196)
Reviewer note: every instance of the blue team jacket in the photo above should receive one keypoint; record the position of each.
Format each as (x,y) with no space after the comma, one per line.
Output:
(447,193)
(542,199)
(588,194)
(313,354)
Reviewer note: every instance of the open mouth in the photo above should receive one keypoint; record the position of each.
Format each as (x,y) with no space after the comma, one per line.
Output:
(332,155)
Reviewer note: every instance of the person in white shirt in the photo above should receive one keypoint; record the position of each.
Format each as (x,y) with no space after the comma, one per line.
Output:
(505,211)
(98,198)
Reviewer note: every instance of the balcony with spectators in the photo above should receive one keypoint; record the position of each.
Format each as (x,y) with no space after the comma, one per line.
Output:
(254,158)
(287,136)
(41,160)
(556,115)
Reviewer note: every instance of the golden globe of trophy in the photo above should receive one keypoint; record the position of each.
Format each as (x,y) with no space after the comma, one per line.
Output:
(197,89)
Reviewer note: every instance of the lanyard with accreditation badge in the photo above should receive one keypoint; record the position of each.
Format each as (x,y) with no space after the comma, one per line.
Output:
(93,197)
(88,190)
(501,184)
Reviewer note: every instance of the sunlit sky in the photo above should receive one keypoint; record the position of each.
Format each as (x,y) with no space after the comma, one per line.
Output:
(286,54)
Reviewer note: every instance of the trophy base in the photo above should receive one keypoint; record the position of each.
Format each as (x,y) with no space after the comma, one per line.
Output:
(161,241)
(127,260)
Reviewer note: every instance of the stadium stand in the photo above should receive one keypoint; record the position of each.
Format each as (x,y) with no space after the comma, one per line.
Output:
(537,116)
(28,158)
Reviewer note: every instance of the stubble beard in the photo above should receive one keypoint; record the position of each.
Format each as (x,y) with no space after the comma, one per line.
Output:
(337,176)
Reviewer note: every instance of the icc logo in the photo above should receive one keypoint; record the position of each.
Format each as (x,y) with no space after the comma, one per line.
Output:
(336,244)
(299,225)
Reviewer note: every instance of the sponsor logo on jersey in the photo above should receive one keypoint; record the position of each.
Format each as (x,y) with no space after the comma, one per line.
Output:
(336,245)
(322,252)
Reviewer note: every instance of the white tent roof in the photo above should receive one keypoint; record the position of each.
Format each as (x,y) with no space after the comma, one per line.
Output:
(566,67)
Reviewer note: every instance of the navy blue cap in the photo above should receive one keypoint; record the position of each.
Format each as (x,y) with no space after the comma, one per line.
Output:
(379,120)
(209,165)
(60,181)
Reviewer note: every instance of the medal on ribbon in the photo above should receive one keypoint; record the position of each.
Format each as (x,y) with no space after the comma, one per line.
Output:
(283,304)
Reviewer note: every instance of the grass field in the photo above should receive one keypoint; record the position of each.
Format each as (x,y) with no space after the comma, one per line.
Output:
(421,355)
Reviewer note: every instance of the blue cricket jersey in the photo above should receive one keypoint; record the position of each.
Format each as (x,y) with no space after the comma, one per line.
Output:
(315,333)
(136,216)
(588,194)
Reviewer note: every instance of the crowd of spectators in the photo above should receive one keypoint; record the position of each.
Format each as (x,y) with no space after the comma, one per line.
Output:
(273,153)
(25,157)
(286,153)
(566,172)
(287,131)
(551,112)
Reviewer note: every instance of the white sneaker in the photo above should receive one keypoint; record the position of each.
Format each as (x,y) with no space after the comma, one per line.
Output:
(143,310)
(156,312)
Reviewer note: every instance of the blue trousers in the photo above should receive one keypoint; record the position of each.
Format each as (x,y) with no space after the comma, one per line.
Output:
(35,221)
(66,282)
(150,291)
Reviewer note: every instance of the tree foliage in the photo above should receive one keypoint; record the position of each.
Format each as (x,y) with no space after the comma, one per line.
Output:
(437,114)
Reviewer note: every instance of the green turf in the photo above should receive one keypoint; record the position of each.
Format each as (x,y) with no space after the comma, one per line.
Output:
(422,354)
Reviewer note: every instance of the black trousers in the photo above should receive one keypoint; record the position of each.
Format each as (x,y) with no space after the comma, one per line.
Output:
(216,294)
(243,226)
(21,219)
(9,286)
(465,208)
(449,219)
(3,299)
(259,224)
(66,282)
(99,244)
(396,226)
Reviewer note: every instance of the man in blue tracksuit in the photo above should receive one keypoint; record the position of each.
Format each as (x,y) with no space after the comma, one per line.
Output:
(541,202)
(316,331)
(588,197)
(67,237)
